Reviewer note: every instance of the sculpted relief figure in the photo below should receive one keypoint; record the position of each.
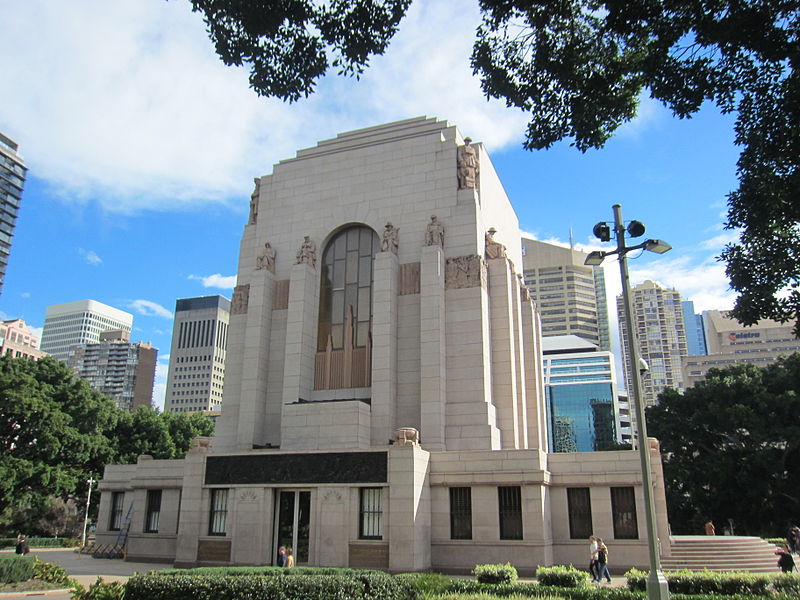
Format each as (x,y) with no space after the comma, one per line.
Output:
(240,300)
(435,234)
(494,249)
(308,252)
(467,165)
(254,202)
(390,238)
(266,258)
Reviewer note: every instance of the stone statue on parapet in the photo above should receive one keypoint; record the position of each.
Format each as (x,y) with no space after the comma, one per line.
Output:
(307,253)
(266,258)
(390,238)
(467,159)
(435,233)
(254,202)
(494,249)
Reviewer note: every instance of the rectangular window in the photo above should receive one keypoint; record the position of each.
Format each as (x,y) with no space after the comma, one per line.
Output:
(219,512)
(153,511)
(460,513)
(117,499)
(580,513)
(510,508)
(371,514)
(623,511)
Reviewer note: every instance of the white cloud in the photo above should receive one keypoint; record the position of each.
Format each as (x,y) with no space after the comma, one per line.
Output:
(36,331)
(216,280)
(718,242)
(143,98)
(90,256)
(150,309)
(25,295)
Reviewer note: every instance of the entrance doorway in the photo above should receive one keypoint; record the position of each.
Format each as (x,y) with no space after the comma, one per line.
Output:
(292,523)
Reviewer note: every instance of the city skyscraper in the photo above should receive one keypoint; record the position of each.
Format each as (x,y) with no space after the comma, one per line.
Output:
(571,296)
(81,322)
(581,395)
(197,357)
(730,342)
(695,330)
(662,337)
(121,370)
(12,180)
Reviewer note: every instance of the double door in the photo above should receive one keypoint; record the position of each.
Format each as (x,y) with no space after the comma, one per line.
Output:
(292,523)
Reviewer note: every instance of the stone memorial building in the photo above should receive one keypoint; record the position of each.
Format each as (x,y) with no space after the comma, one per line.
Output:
(383,397)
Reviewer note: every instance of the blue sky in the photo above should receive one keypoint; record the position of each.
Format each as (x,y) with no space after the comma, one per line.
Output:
(142,147)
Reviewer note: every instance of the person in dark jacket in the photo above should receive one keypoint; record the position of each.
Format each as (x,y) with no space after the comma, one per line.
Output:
(785,560)
(22,545)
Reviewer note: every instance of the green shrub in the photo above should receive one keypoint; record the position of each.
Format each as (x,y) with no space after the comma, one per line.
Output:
(99,590)
(264,571)
(15,568)
(495,573)
(361,586)
(41,542)
(776,541)
(427,584)
(560,576)
(788,583)
(705,582)
(49,572)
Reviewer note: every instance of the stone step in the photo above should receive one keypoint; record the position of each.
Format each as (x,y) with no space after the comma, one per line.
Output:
(721,553)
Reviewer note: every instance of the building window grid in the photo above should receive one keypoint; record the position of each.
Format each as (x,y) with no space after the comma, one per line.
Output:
(510,512)
(460,513)
(370,514)
(218,515)
(153,511)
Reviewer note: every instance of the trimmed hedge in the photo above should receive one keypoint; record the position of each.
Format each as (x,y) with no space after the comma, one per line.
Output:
(264,571)
(371,586)
(560,576)
(14,569)
(501,573)
(788,583)
(705,582)
(41,542)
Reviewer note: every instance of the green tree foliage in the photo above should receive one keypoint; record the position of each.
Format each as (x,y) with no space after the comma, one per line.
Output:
(579,67)
(56,432)
(731,448)
(52,431)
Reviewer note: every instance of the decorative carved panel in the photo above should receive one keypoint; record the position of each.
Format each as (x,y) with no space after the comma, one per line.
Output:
(409,279)
(369,556)
(464,272)
(241,297)
(280,299)
(291,469)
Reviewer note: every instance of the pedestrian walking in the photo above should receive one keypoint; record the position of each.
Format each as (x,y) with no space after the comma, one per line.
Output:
(593,546)
(22,545)
(602,562)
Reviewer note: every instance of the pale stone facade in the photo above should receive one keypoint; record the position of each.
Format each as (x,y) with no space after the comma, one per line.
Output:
(383,400)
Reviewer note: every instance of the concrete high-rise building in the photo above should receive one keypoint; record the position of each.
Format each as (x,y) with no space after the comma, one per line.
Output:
(17,340)
(730,342)
(570,295)
(384,399)
(581,395)
(121,370)
(197,357)
(80,322)
(695,330)
(12,180)
(662,337)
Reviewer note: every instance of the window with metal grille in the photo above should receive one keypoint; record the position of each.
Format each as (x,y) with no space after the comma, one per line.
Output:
(579,507)
(623,512)
(371,514)
(510,507)
(219,511)
(117,499)
(460,513)
(153,511)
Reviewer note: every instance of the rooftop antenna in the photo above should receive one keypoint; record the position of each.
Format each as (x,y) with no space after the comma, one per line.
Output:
(571,239)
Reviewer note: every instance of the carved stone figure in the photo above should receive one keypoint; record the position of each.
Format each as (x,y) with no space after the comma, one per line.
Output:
(524,293)
(467,165)
(390,238)
(464,271)
(307,253)
(406,436)
(254,202)
(241,297)
(200,445)
(266,258)
(435,234)
(494,249)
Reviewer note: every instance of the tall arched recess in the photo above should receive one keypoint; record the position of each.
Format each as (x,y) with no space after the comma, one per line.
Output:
(344,334)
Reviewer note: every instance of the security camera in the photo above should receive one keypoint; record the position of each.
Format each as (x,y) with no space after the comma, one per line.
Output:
(643,366)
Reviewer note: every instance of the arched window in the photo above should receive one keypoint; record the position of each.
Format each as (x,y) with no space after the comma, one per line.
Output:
(344,335)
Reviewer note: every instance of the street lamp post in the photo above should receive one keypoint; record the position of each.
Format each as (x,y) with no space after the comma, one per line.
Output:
(657,588)
(91,482)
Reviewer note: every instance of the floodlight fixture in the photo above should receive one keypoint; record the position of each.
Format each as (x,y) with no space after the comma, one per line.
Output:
(657,246)
(595,258)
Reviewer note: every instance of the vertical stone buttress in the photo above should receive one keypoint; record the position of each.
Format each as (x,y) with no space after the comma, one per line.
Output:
(384,347)
(433,369)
